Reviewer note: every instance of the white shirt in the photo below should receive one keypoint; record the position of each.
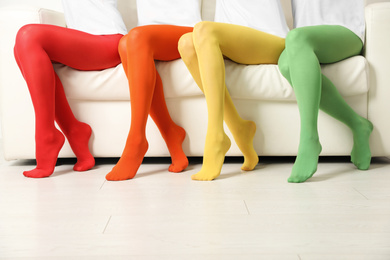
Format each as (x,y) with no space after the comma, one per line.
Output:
(347,13)
(263,15)
(99,17)
(173,12)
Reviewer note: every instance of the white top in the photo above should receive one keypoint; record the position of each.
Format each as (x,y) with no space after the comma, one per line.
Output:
(263,15)
(173,12)
(347,13)
(99,17)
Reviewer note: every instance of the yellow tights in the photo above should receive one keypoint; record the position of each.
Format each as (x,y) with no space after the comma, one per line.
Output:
(203,52)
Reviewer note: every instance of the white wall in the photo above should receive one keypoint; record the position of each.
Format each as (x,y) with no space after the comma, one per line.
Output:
(50,4)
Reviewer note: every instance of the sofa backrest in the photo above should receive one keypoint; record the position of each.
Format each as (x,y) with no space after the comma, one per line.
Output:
(128,10)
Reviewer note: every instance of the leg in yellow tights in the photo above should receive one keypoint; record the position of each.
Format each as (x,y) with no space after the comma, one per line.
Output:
(203,52)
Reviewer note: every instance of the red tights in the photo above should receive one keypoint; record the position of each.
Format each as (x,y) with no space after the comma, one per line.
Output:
(37,47)
(138,50)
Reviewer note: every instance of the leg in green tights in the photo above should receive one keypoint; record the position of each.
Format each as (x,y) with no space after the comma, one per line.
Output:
(306,49)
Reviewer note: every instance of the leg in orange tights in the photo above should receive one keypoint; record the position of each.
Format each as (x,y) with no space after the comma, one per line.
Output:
(36,47)
(138,50)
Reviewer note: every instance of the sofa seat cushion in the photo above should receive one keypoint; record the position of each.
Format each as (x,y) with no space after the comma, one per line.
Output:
(252,82)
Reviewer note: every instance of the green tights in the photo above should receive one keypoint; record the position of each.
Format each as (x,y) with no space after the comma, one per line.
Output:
(307,48)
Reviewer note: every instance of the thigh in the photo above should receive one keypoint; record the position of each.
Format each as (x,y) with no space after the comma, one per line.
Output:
(331,43)
(246,45)
(159,40)
(77,49)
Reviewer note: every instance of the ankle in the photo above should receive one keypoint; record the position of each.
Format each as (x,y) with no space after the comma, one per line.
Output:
(309,138)
(77,129)
(49,137)
(136,141)
(361,124)
(310,145)
(173,132)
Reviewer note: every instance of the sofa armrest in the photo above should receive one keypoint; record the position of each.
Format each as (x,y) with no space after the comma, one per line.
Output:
(47,16)
(377,53)
(22,15)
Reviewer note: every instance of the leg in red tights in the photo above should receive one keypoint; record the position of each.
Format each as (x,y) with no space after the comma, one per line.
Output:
(36,47)
(138,50)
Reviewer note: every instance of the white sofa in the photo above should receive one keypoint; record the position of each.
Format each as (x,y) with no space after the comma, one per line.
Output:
(101,98)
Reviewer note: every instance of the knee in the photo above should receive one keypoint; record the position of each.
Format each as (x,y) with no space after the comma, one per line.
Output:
(26,36)
(138,36)
(131,43)
(186,46)
(26,32)
(203,31)
(297,39)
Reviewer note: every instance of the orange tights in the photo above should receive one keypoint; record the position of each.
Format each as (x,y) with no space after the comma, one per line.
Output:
(138,51)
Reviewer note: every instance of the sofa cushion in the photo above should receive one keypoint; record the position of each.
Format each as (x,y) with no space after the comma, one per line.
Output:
(255,82)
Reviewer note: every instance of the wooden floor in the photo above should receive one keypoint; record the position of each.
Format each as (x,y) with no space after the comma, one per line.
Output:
(341,213)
